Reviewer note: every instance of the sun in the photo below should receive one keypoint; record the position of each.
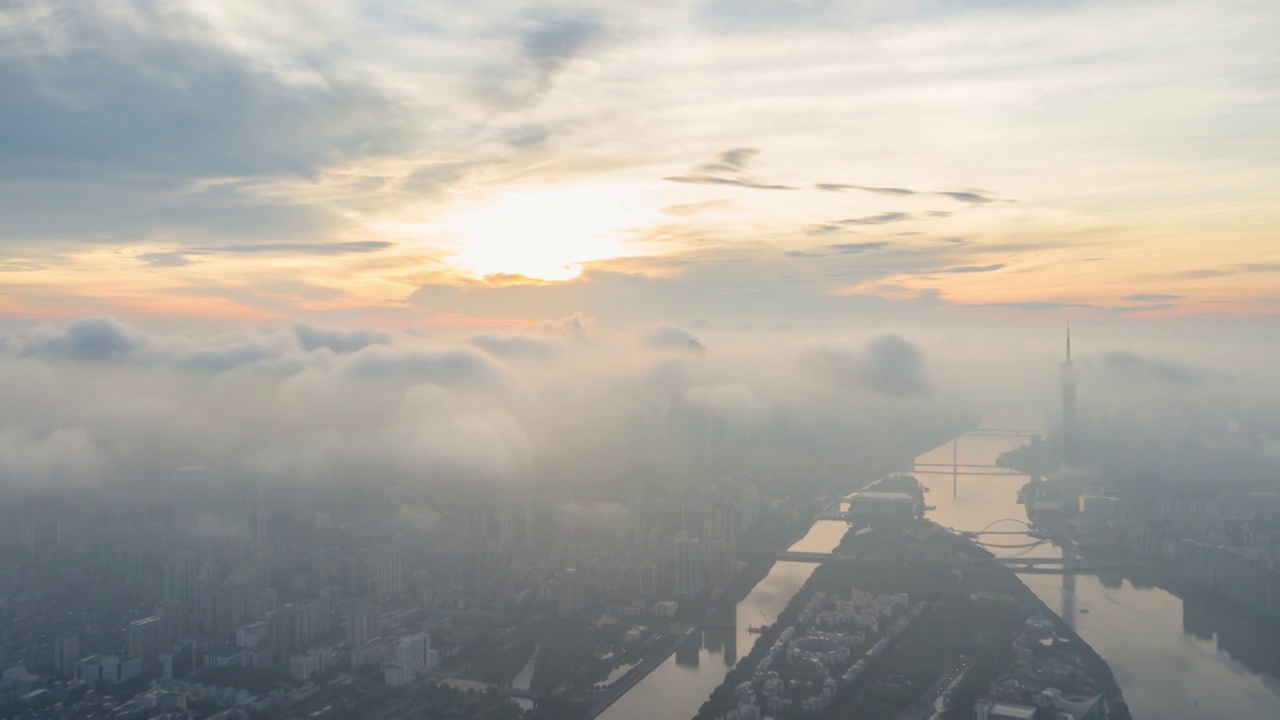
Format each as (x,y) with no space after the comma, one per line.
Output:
(544,234)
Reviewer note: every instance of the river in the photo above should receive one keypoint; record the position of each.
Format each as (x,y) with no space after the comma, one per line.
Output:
(1174,660)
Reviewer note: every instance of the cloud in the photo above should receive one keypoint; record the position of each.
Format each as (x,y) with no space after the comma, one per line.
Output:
(730,401)
(836,187)
(559,38)
(733,163)
(221,359)
(884,218)
(547,43)
(99,89)
(839,249)
(1236,269)
(670,337)
(1128,367)
(337,248)
(735,160)
(957,195)
(967,197)
(880,219)
(967,269)
(575,328)
(340,340)
(165,259)
(1150,307)
(453,368)
(1038,305)
(714,180)
(888,365)
(517,346)
(434,436)
(182,258)
(1152,297)
(60,459)
(94,339)
(691,209)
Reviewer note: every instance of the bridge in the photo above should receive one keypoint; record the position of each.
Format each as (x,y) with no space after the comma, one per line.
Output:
(961,469)
(955,468)
(1003,432)
(1025,528)
(1033,565)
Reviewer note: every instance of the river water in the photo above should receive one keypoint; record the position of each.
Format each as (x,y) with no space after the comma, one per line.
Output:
(1174,660)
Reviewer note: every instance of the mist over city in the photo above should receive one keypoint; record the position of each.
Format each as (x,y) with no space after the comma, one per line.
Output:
(685,360)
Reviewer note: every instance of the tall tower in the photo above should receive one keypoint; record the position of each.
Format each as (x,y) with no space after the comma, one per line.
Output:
(1070,443)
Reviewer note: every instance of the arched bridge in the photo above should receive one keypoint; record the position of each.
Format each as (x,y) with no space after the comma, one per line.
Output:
(1026,526)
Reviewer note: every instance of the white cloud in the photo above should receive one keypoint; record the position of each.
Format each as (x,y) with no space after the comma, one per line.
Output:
(62,458)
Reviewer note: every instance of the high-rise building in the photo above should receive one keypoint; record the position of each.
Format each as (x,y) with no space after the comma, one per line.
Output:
(720,562)
(145,638)
(748,510)
(66,652)
(388,572)
(173,622)
(412,652)
(179,663)
(1070,442)
(689,565)
(179,574)
(364,623)
(570,593)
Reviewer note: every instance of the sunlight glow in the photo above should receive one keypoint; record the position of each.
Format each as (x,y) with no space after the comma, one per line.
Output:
(544,234)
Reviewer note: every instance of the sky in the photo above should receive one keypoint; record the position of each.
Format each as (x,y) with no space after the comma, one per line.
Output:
(781,164)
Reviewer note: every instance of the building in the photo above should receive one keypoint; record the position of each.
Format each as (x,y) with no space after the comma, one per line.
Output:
(114,670)
(179,576)
(413,653)
(1070,439)
(1097,511)
(146,638)
(89,669)
(225,655)
(721,563)
(374,652)
(868,505)
(66,651)
(571,594)
(173,622)
(364,623)
(388,572)
(689,565)
(252,635)
(179,663)
(302,666)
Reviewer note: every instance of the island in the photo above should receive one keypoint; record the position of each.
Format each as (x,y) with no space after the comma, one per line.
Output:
(908,620)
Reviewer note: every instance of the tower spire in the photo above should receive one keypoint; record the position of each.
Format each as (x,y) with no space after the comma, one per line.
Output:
(1068,342)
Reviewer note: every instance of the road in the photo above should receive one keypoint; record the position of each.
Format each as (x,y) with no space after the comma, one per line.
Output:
(933,701)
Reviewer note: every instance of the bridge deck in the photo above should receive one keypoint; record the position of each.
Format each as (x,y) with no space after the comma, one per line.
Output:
(1082,565)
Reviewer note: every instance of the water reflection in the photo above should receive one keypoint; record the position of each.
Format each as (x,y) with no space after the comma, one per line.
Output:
(1175,660)
(681,684)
